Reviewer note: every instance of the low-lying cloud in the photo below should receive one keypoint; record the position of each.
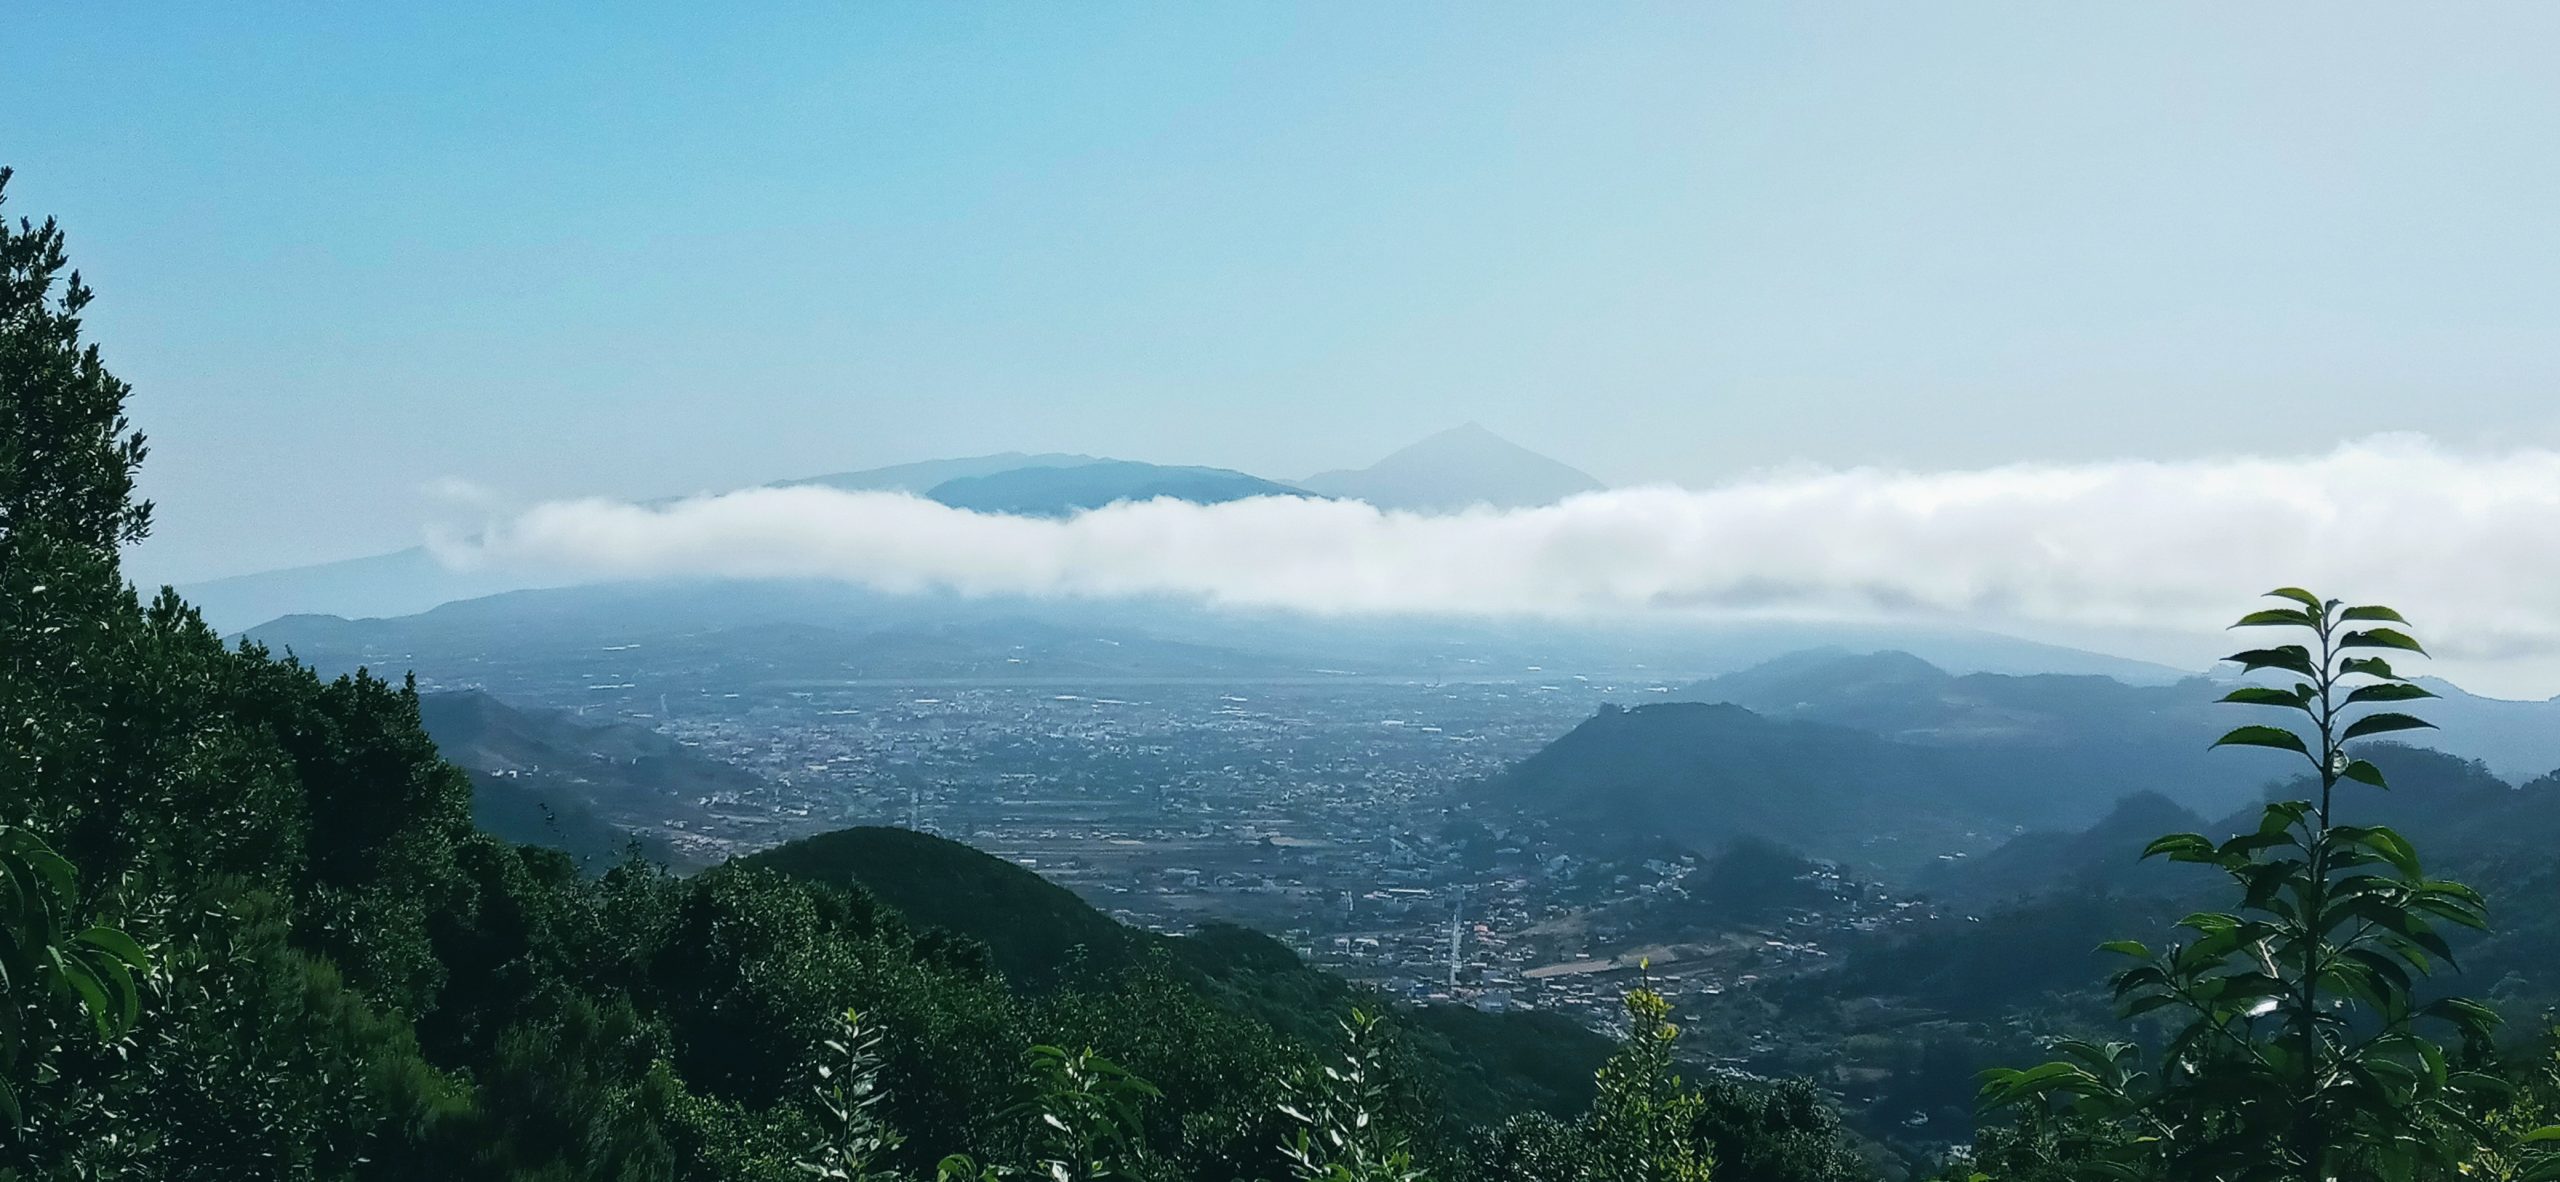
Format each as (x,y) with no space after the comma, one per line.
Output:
(2469,545)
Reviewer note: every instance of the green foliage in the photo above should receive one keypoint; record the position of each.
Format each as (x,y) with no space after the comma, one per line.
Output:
(2298,1040)
(1087,1121)
(1083,1123)
(2516,1139)
(1342,1133)
(1643,1122)
(46,958)
(858,1141)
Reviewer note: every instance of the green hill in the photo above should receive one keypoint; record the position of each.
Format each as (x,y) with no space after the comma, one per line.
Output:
(1042,937)
(1035,931)
(1699,776)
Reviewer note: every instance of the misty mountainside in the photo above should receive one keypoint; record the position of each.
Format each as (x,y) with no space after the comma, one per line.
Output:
(1065,490)
(1041,936)
(749,632)
(1903,1019)
(549,778)
(2473,825)
(1457,469)
(403,582)
(1699,776)
(2060,894)
(656,635)
(2123,736)
(1451,470)
(2105,858)
(408,581)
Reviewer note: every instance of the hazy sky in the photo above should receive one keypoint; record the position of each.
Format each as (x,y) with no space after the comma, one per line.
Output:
(349,253)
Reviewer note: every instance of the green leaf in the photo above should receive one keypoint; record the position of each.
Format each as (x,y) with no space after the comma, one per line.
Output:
(2181,847)
(93,996)
(58,875)
(2264,736)
(2394,848)
(2392,691)
(2292,658)
(117,981)
(2376,724)
(2368,666)
(2462,1012)
(118,945)
(2257,695)
(2381,638)
(2363,772)
(2277,617)
(2372,611)
(2132,948)
(2298,595)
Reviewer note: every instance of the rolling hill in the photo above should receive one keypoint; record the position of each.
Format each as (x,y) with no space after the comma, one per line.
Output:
(1699,776)
(1042,937)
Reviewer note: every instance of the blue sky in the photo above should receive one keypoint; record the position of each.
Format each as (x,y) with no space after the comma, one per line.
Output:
(347,253)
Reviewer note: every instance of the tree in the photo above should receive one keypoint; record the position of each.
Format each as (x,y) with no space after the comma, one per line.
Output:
(67,462)
(2298,1043)
(1643,1121)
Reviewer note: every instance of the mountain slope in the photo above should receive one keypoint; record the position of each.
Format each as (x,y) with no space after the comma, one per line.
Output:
(1700,776)
(2105,858)
(1034,929)
(546,777)
(686,637)
(1455,469)
(400,583)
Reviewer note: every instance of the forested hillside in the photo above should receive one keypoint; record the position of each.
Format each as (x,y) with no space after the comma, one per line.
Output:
(252,932)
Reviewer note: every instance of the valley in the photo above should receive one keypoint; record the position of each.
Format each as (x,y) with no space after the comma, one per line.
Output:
(1482,842)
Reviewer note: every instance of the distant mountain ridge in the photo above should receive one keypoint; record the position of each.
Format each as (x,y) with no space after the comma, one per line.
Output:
(672,634)
(922,476)
(1065,489)
(2154,735)
(1885,759)
(1457,469)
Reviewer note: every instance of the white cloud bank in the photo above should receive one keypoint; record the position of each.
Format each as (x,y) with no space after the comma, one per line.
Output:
(2469,546)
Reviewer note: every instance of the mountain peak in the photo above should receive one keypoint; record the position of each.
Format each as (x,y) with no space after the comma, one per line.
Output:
(1464,466)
